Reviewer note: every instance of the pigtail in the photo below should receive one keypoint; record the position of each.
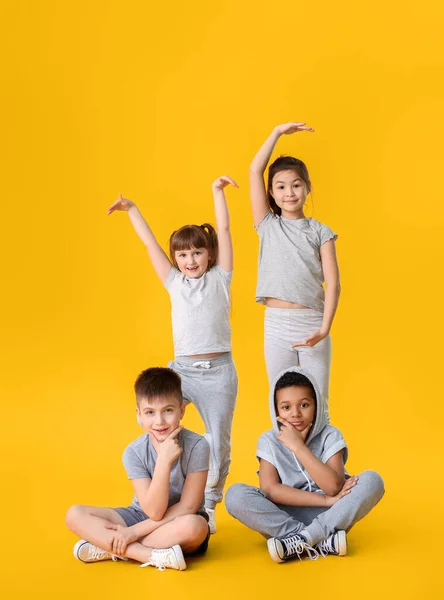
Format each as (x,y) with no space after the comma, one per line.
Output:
(213,246)
(172,248)
(195,236)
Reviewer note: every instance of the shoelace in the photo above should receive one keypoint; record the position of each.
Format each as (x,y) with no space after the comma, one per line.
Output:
(296,545)
(326,547)
(159,559)
(96,553)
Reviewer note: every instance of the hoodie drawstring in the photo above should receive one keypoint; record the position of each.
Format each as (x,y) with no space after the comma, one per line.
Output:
(303,473)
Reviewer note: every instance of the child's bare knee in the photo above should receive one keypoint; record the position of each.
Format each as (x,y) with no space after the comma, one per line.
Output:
(192,527)
(73,515)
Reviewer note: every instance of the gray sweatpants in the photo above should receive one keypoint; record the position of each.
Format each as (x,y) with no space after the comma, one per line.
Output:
(211,385)
(251,507)
(284,327)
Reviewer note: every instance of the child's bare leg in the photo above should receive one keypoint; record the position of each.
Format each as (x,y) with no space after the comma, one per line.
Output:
(88,522)
(188,531)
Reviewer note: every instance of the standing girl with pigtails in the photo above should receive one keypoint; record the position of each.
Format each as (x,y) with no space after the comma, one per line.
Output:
(197,276)
(297,255)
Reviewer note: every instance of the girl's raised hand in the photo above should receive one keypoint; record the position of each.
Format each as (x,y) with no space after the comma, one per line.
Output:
(221,182)
(288,128)
(121,204)
(313,339)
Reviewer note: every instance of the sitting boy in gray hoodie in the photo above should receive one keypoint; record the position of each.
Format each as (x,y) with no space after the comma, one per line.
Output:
(306,501)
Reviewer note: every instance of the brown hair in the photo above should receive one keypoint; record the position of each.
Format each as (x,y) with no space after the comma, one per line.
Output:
(195,236)
(158,382)
(286,163)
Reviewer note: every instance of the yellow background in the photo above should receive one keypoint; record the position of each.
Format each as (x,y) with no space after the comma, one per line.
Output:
(156,101)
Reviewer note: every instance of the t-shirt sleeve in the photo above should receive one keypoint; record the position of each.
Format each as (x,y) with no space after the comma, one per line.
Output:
(333,443)
(326,234)
(265,221)
(264,450)
(134,465)
(199,457)
(225,275)
(172,274)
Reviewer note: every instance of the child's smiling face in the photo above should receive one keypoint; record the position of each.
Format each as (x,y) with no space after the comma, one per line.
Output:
(296,405)
(289,192)
(160,416)
(192,262)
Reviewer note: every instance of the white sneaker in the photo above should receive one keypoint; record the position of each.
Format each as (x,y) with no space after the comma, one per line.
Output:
(167,558)
(88,553)
(213,473)
(336,543)
(212,519)
(281,549)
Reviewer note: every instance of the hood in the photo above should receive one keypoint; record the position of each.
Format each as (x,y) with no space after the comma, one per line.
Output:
(321,419)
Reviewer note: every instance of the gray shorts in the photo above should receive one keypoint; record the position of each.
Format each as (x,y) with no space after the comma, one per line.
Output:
(132,515)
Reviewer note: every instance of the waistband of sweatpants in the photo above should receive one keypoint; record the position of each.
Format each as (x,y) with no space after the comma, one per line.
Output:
(296,312)
(215,361)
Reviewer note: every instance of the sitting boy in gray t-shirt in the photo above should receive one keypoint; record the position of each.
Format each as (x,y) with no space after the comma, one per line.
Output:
(306,501)
(168,466)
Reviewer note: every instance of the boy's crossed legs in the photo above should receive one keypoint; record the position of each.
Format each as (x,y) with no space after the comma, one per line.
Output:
(162,546)
(311,527)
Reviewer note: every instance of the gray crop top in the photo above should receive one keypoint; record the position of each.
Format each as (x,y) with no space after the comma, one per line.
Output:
(290,266)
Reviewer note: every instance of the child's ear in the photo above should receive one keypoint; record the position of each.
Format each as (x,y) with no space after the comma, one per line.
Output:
(182,410)
(139,420)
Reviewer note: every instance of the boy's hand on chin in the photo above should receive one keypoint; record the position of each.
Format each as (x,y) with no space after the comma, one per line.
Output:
(290,436)
(168,450)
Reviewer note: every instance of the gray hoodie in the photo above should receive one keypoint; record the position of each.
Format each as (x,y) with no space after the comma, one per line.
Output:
(323,440)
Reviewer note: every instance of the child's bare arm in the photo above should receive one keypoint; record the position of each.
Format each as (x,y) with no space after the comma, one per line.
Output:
(329,477)
(225,258)
(279,493)
(258,191)
(153,494)
(331,276)
(330,269)
(159,259)
(189,503)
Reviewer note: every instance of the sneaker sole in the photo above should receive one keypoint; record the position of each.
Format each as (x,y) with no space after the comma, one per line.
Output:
(76,548)
(342,543)
(182,565)
(273,549)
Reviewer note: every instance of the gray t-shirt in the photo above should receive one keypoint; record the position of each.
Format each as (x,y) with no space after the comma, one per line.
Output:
(290,470)
(323,440)
(200,311)
(139,460)
(290,266)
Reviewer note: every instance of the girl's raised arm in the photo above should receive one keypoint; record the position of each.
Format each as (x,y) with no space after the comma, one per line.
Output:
(258,191)
(159,259)
(225,256)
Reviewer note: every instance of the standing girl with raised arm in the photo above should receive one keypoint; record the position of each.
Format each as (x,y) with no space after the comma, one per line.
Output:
(296,256)
(198,276)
